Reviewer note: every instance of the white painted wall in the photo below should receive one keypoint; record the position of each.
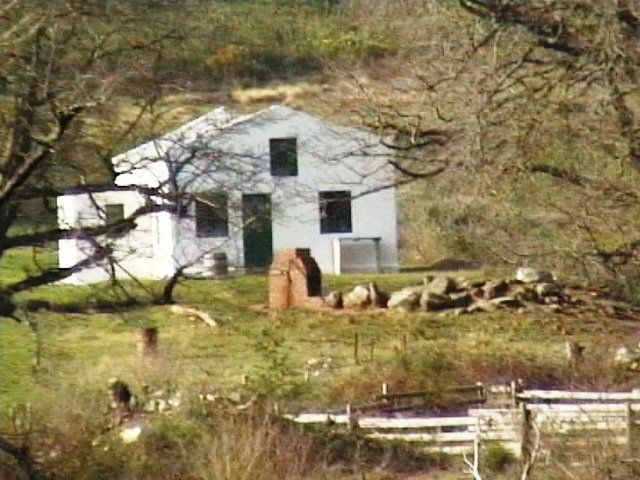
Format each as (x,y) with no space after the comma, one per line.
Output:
(236,160)
(144,252)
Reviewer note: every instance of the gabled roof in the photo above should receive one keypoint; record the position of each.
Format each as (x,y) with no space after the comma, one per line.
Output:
(216,120)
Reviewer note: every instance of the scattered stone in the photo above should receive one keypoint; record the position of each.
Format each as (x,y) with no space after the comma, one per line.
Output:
(622,357)
(378,298)
(407,299)
(334,300)
(548,290)
(130,434)
(359,297)
(532,275)
(494,289)
(506,302)
(441,285)
(460,300)
(526,293)
(175,400)
(480,306)
(433,302)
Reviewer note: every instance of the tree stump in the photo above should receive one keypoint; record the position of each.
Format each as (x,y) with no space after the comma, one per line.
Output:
(220,266)
(147,341)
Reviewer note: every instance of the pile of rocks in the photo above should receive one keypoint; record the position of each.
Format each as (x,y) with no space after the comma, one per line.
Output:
(442,292)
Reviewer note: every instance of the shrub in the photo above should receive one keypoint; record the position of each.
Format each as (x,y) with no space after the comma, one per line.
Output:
(497,458)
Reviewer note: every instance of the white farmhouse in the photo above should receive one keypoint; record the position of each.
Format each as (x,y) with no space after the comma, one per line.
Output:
(247,186)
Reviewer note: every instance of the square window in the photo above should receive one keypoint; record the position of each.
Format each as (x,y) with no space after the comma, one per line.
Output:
(113,213)
(284,157)
(212,218)
(335,212)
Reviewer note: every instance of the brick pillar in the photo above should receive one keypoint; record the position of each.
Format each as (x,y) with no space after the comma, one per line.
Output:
(294,277)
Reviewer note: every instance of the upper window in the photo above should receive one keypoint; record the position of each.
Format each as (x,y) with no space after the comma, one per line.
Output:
(284,157)
(113,213)
(212,218)
(335,212)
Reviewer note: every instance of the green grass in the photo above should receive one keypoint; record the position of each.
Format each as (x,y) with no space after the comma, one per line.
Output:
(84,350)
(81,351)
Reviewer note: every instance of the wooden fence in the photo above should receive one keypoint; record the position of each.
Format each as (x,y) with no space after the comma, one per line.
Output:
(610,415)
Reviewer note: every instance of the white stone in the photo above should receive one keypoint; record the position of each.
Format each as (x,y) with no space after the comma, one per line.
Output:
(533,275)
(622,357)
(131,434)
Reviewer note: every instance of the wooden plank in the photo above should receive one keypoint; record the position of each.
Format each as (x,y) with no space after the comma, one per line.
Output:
(414,422)
(442,437)
(585,407)
(514,447)
(450,449)
(318,418)
(471,389)
(587,396)
(384,423)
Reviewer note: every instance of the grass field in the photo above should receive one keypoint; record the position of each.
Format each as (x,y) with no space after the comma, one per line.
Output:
(255,351)
(84,349)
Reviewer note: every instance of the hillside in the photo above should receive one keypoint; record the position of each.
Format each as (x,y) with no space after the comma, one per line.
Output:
(535,160)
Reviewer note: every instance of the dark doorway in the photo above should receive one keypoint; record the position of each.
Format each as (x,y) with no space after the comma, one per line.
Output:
(256,219)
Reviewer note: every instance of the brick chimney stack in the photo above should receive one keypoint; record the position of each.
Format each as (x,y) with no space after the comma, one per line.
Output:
(295,280)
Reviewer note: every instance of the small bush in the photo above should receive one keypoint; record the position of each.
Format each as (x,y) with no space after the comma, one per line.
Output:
(497,458)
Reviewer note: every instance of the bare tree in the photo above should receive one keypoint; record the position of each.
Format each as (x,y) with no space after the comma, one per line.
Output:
(60,65)
(532,107)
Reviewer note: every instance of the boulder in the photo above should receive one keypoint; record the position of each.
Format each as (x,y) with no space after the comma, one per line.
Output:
(460,300)
(526,293)
(432,302)
(441,285)
(506,302)
(359,297)
(480,306)
(334,300)
(533,275)
(622,357)
(407,299)
(130,434)
(494,289)
(378,298)
(547,289)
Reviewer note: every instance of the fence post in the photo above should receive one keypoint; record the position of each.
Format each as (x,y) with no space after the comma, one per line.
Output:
(385,392)
(525,447)
(480,391)
(632,430)
(355,348)
(514,393)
